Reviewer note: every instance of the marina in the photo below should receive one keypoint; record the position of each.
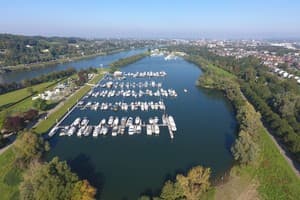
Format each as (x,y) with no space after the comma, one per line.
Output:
(114,126)
(205,129)
(113,86)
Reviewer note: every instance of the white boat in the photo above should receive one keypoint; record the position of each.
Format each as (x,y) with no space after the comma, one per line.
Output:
(172,123)
(103,121)
(149,129)
(53,131)
(104,130)
(123,121)
(116,121)
(138,129)
(137,120)
(76,121)
(151,121)
(88,131)
(81,131)
(155,120)
(129,121)
(131,130)
(84,122)
(156,129)
(164,120)
(114,131)
(96,131)
(71,131)
(64,131)
(110,120)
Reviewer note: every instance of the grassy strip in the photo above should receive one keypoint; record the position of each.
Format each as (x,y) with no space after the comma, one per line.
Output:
(126,61)
(15,96)
(45,125)
(10,177)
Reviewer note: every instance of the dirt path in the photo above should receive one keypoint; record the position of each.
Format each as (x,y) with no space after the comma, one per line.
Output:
(237,188)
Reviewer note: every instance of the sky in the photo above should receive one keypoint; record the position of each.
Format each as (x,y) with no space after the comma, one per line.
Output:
(152,18)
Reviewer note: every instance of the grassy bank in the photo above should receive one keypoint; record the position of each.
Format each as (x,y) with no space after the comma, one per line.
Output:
(270,176)
(45,125)
(20,100)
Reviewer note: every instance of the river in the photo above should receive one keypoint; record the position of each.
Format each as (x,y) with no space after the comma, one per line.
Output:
(124,167)
(18,76)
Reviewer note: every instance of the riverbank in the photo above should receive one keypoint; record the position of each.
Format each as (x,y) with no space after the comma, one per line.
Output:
(26,67)
(270,176)
(127,61)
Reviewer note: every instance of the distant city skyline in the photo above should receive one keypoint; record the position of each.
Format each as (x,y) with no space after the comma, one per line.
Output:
(223,19)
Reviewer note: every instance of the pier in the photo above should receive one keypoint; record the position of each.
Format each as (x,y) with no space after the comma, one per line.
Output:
(111,86)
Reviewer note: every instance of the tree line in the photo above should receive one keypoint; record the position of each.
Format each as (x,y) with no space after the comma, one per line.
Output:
(46,180)
(126,61)
(192,186)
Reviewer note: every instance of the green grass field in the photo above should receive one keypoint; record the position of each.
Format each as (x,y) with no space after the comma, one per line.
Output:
(10,176)
(12,97)
(277,180)
(45,125)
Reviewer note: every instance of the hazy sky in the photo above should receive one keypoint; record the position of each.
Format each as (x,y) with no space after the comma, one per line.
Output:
(152,18)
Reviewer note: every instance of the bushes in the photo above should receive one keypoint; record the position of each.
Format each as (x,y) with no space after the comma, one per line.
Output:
(40,104)
(18,122)
(28,147)
(244,149)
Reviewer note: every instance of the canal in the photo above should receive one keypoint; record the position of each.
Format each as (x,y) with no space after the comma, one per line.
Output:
(124,167)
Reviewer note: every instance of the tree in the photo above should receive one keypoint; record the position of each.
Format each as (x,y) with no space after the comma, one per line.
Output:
(83,191)
(14,123)
(244,149)
(189,187)
(40,104)
(171,191)
(54,180)
(195,183)
(30,114)
(28,147)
